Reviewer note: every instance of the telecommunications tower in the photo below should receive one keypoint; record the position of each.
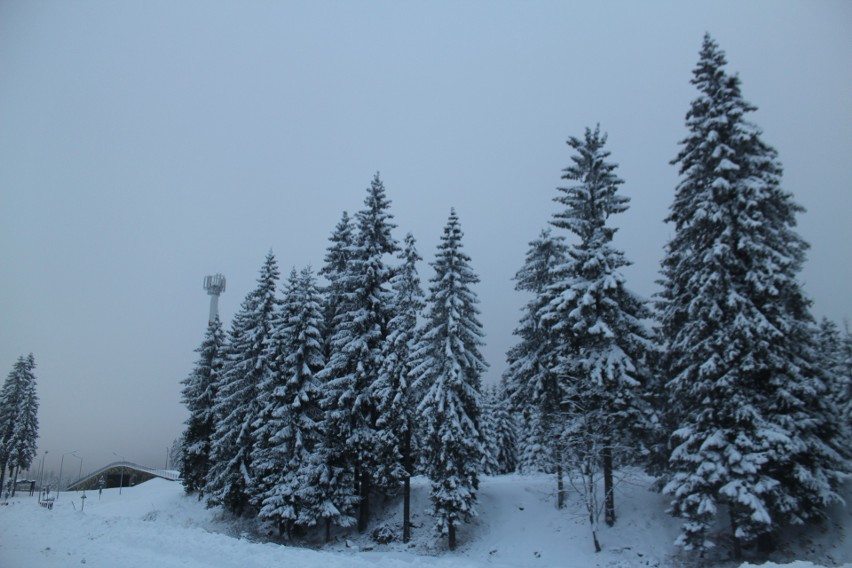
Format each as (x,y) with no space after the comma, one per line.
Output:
(214,285)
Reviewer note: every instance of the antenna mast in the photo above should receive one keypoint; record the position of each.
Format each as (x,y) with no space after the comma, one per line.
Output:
(214,285)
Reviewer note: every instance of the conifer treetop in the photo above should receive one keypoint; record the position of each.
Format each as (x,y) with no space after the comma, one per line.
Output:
(338,251)
(590,202)
(374,221)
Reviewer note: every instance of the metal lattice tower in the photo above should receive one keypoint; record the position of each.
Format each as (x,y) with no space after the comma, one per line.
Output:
(214,285)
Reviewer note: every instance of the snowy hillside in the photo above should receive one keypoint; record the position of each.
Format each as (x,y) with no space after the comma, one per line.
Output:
(155,524)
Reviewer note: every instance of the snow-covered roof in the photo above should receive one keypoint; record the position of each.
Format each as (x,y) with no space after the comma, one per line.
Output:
(169,474)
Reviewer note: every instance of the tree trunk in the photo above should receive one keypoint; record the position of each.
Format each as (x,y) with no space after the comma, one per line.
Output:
(766,543)
(3,479)
(560,487)
(406,510)
(609,491)
(14,478)
(452,536)
(406,487)
(364,506)
(591,501)
(738,551)
(328,529)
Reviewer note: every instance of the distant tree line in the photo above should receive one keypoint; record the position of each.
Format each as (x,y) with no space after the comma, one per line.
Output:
(724,387)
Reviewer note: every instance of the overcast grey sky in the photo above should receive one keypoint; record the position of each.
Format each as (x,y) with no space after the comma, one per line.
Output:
(144,145)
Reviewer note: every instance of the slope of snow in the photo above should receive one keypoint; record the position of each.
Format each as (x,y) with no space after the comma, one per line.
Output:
(155,524)
(519,525)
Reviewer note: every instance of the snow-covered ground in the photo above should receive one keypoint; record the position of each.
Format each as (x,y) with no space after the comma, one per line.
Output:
(155,524)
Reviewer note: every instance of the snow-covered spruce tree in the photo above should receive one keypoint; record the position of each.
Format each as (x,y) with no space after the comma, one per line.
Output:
(174,456)
(396,399)
(499,433)
(755,431)
(26,427)
(602,342)
(328,481)
(268,458)
(326,494)
(359,332)
(487,432)
(293,409)
(230,480)
(505,431)
(199,396)
(10,396)
(845,394)
(448,368)
(18,419)
(336,259)
(834,355)
(535,392)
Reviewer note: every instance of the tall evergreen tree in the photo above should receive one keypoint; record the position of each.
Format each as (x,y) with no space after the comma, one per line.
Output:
(834,356)
(336,259)
(359,333)
(18,418)
(499,433)
(487,431)
(173,458)
(602,343)
(534,390)
(754,431)
(396,400)
(268,458)
(448,368)
(845,392)
(326,492)
(9,397)
(199,396)
(231,480)
(294,414)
